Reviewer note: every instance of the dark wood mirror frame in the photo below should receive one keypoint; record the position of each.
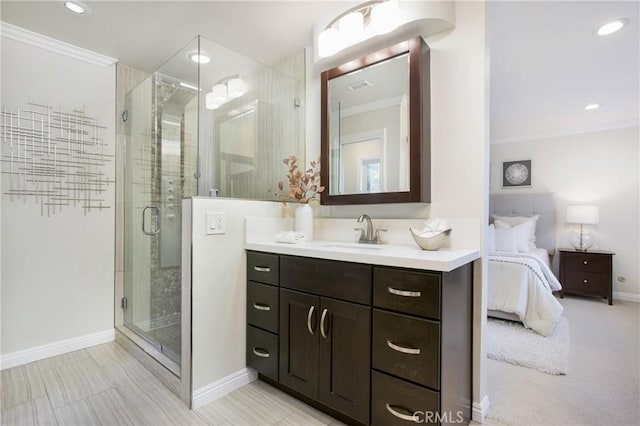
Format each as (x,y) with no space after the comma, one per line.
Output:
(419,126)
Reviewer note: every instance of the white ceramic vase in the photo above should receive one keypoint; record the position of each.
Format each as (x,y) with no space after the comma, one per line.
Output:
(304,221)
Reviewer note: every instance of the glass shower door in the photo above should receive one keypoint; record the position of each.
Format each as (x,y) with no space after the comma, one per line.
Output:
(160,170)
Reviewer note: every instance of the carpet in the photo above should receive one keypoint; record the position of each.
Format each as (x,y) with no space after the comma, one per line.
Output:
(511,342)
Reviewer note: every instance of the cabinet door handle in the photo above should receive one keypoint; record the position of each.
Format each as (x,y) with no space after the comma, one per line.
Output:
(404,293)
(585,281)
(261,353)
(408,417)
(322,320)
(403,349)
(586,262)
(309,315)
(262,268)
(261,307)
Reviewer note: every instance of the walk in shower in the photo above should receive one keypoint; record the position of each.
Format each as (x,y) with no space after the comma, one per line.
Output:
(208,122)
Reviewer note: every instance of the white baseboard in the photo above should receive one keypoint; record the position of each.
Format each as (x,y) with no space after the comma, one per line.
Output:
(629,297)
(221,387)
(26,356)
(480,410)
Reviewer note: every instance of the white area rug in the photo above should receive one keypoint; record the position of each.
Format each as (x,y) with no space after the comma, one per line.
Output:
(511,342)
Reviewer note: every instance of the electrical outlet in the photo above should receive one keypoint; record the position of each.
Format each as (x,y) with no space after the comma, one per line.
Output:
(216,223)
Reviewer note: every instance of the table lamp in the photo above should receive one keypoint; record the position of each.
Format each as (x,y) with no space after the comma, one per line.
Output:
(581,238)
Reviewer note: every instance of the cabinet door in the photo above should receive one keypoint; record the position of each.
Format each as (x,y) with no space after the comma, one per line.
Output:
(299,341)
(345,357)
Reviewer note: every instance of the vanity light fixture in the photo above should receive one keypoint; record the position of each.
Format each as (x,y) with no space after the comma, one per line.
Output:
(611,27)
(591,107)
(357,24)
(224,90)
(77,7)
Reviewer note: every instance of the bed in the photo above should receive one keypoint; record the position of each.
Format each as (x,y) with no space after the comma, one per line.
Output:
(521,283)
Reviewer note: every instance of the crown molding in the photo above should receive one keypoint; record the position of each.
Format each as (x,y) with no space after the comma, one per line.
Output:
(569,132)
(29,37)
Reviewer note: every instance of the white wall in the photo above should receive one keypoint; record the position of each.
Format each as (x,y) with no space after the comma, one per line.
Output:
(598,168)
(219,288)
(58,271)
(459,148)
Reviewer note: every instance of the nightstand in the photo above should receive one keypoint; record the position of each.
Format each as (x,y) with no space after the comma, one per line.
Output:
(587,273)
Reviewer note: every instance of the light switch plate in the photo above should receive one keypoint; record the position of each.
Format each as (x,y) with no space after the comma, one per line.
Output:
(216,223)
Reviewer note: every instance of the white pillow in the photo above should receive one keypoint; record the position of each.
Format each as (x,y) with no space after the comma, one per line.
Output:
(506,240)
(521,232)
(491,238)
(517,220)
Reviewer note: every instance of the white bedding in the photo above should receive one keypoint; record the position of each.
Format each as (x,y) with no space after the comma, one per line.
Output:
(522,284)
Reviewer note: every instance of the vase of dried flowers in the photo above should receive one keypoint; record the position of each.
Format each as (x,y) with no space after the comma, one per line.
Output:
(302,187)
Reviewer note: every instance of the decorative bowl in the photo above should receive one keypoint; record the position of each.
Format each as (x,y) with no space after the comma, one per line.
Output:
(433,242)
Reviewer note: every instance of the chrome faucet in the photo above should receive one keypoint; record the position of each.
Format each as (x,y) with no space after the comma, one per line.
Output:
(367,236)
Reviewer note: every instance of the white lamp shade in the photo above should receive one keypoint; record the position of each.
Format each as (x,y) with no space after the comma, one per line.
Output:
(219,93)
(236,87)
(328,42)
(209,101)
(385,17)
(351,27)
(589,215)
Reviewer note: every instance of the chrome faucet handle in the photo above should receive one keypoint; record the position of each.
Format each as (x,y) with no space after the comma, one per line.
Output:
(362,234)
(378,239)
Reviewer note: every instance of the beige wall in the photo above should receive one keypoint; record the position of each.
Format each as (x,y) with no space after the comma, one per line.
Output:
(58,271)
(599,168)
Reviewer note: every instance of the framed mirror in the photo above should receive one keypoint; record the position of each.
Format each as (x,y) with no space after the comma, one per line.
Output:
(375,135)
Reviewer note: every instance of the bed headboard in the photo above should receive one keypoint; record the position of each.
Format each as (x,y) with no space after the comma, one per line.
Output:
(529,205)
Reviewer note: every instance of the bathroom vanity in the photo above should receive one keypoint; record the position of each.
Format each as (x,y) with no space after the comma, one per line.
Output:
(376,336)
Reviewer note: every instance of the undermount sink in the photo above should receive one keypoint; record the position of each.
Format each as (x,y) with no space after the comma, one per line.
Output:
(355,246)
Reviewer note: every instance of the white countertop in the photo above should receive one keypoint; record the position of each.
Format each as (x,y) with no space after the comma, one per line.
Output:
(444,260)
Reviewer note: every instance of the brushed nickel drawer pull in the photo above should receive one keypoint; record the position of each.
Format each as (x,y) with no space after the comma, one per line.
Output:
(585,281)
(309,315)
(261,353)
(262,268)
(585,262)
(410,418)
(322,320)
(403,349)
(261,307)
(404,293)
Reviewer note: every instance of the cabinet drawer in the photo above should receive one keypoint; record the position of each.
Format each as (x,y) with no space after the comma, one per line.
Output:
(586,262)
(410,292)
(394,402)
(589,283)
(407,347)
(340,280)
(263,267)
(262,352)
(262,306)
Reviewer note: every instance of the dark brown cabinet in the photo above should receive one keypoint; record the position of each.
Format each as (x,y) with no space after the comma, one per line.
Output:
(367,344)
(325,351)
(587,273)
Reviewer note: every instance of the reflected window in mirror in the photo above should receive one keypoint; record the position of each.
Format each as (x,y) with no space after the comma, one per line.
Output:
(375,127)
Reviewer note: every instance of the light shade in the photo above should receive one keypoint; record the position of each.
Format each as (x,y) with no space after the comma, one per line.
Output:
(328,42)
(236,87)
(385,17)
(209,101)
(351,27)
(219,93)
(585,215)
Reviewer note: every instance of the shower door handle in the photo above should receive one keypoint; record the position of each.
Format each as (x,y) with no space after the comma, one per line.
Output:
(156,231)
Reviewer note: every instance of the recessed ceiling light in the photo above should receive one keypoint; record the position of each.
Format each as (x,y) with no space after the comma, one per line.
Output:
(77,7)
(592,106)
(611,27)
(199,58)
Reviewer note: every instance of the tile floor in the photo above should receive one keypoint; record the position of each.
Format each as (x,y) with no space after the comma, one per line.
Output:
(105,385)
